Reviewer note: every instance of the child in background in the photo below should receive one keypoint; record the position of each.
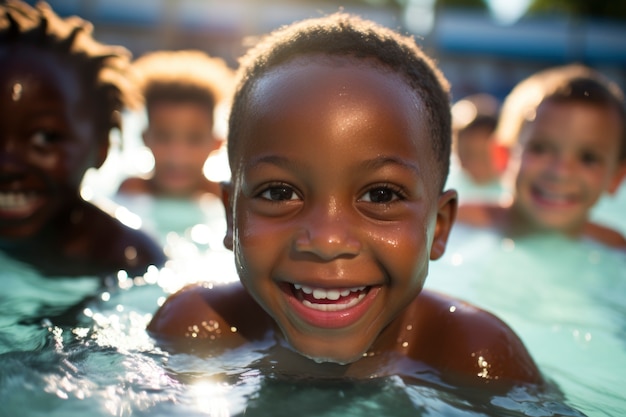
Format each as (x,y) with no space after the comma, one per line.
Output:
(565,130)
(181,90)
(62,93)
(339,147)
(478,173)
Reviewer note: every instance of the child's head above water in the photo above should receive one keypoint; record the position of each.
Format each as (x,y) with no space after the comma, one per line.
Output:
(474,118)
(181,92)
(339,145)
(565,130)
(568,127)
(570,84)
(339,40)
(98,69)
(62,93)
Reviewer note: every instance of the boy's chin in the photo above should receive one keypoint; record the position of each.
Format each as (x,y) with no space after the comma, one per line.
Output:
(331,355)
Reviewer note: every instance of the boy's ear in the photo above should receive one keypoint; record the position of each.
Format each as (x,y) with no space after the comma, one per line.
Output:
(226,188)
(617,179)
(446,214)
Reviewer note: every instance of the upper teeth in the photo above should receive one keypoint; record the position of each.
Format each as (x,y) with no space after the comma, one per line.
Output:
(13,200)
(321,293)
(553,196)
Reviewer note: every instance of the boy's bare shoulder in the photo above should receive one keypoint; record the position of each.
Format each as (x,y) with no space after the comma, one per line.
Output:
(469,342)
(210,315)
(605,235)
(126,248)
(134,185)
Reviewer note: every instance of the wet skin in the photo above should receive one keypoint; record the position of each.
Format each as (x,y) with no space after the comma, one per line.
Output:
(334,213)
(569,159)
(475,152)
(48,140)
(180,137)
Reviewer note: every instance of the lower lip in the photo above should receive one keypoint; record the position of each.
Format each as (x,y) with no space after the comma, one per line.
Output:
(331,319)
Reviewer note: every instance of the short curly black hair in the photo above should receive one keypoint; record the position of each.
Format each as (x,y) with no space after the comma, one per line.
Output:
(101,68)
(342,34)
(562,84)
(182,76)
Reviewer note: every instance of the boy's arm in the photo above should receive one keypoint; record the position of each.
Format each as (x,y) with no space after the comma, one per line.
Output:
(209,316)
(605,235)
(134,185)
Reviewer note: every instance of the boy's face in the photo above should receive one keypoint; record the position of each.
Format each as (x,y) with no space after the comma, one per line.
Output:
(569,158)
(475,152)
(335,203)
(47,139)
(180,136)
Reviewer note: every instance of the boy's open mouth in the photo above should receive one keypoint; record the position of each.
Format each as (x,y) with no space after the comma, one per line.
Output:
(551,198)
(19,204)
(334,299)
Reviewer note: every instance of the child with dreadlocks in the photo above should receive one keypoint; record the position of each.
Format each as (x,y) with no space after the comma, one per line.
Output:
(181,91)
(61,93)
(339,146)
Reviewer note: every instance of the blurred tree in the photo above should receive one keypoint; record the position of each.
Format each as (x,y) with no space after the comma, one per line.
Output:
(613,9)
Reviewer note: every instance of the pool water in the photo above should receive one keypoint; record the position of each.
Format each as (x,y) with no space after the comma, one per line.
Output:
(564,298)
(76,347)
(105,364)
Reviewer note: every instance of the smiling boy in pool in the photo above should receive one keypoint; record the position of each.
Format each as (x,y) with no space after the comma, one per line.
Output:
(565,129)
(339,146)
(181,90)
(61,93)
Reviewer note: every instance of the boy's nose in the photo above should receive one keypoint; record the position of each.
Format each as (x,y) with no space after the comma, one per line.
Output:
(561,166)
(328,234)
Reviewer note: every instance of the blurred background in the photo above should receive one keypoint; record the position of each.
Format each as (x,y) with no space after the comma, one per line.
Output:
(481,45)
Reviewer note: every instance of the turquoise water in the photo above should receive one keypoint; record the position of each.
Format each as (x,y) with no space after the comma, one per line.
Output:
(564,298)
(75,347)
(105,364)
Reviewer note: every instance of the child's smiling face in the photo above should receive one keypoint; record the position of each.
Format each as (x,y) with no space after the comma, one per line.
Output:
(336,202)
(180,136)
(47,139)
(569,159)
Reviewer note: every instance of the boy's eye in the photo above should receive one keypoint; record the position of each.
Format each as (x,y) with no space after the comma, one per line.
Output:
(161,137)
(42,138)
(196,139)
(381,195)
(537,148)
(279,193)
(589,158)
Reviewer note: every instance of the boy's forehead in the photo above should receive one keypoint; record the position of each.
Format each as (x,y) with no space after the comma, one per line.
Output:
(294,100)
(329,79)
(29,63)
(592,119)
